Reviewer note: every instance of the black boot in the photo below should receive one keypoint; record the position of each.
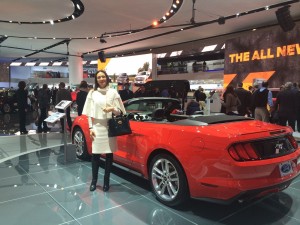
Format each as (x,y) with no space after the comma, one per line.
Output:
(108,165)
(95,169)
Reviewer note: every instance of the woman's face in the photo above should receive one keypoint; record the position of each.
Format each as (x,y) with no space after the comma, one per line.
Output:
(101,79)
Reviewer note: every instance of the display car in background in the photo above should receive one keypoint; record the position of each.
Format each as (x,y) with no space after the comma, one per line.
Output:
(215,157)
(122,78)
(142,77)
(9,102)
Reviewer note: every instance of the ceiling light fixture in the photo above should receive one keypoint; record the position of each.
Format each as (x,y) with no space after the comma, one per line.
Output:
(221,20)
(155,23)
(102,40)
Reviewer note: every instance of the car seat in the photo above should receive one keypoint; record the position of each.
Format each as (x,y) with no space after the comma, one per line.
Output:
(158,114)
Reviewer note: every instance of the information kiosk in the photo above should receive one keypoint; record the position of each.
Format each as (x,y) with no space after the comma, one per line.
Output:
(69,150)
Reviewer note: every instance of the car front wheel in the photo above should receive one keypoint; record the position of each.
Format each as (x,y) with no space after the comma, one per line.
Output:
(168,180)
(80,143)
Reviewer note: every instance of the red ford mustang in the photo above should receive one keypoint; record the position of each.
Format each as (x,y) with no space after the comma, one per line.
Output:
(215,157)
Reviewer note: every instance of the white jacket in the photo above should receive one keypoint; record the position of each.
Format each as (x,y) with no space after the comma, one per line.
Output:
(99,99)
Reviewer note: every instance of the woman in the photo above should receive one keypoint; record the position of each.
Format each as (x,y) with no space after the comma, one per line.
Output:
(100,103)
(231,101)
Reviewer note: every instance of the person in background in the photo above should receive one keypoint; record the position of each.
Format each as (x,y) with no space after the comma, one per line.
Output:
(231,102)
(200,97)
(22,96)
(43,101)
(204,67)
(100,103)
(81,96)
(141,92)
(286,103)
(192,107)
(261,98)
(298,108)
(165,93)
(251,89)
(155,92)
(245,98)
(126,93)
(64,94)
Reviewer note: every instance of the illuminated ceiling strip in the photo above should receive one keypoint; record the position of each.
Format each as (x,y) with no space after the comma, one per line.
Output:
(94,62)
(78,11)
(44,64)
(15,63)
(57,64)
(161,55)
(30,64)
(176,53)
(209,48)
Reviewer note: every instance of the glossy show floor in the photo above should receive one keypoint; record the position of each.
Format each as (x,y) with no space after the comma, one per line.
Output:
(38,186)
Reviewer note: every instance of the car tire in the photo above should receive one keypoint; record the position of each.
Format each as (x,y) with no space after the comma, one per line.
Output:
(168,180)
(6,108)
(79,141)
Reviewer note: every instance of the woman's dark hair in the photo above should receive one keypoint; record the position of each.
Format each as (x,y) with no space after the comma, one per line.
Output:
(230,90)
(96,82)
(22,84)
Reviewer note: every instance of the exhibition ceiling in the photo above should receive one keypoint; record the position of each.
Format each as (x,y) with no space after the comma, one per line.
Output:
(32,30)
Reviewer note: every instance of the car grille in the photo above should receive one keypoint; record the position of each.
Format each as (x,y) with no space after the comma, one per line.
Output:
(263,149)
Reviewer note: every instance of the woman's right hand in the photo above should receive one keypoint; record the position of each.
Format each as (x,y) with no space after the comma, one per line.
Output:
(92,134)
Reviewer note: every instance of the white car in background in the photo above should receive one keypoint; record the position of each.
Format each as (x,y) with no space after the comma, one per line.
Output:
(122,78)
(141,77)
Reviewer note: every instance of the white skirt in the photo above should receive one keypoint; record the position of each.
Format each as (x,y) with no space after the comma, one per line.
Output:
(102,143)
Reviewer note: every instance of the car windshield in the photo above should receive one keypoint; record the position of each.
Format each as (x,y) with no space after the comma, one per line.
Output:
(148,105)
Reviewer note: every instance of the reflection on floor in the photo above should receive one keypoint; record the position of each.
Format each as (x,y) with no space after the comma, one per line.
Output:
(40,188)
(37,186)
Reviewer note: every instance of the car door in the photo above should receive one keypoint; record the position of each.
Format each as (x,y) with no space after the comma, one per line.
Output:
(126,143)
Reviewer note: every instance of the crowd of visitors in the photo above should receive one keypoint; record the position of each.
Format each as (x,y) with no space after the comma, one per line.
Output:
(257,102)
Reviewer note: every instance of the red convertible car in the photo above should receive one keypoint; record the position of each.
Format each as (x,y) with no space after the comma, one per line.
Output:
(211,157)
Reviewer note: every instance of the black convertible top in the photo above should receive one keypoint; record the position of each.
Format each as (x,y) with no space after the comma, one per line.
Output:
(202,120)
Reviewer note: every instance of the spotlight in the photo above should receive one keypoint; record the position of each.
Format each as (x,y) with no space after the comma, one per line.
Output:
(221,20)
(102,40)
(284,18)
(101,56)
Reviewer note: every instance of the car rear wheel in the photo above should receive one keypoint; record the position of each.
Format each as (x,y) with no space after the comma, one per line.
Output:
(80,143)
(168,180)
